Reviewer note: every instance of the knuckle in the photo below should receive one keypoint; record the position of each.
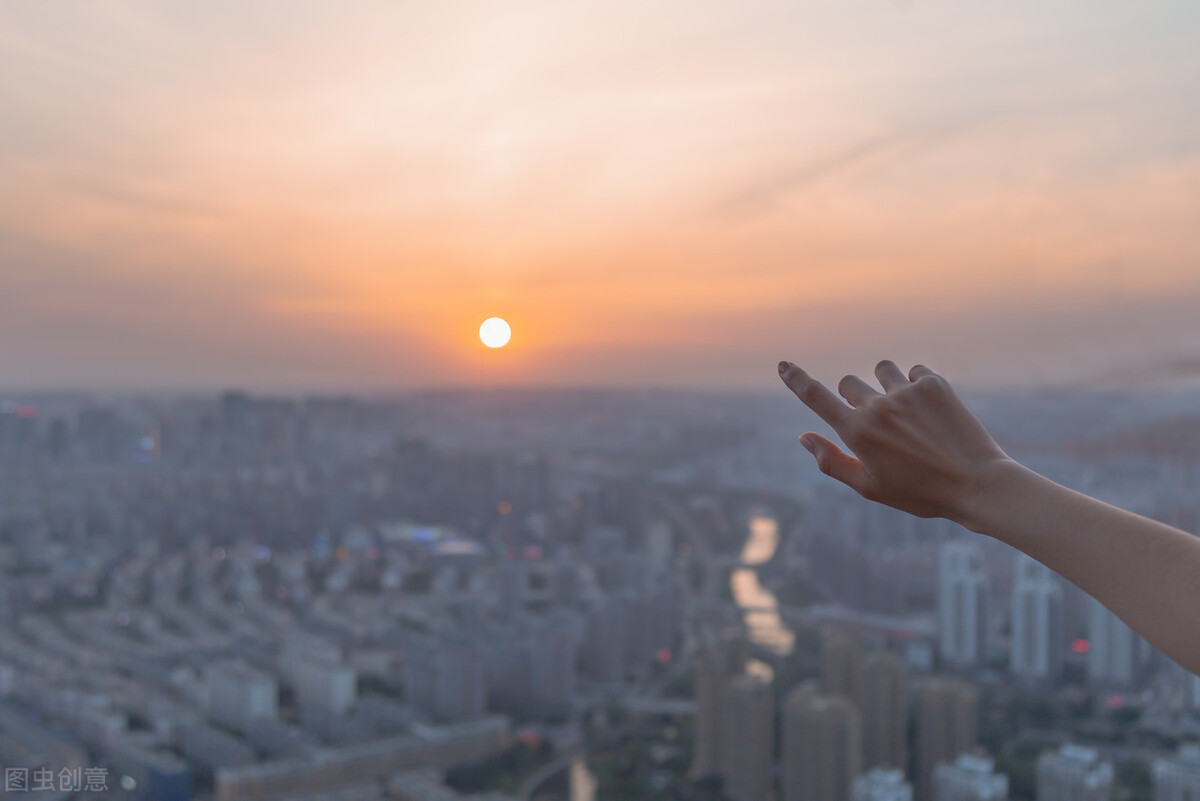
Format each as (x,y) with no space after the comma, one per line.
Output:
(930,384)
(879,410)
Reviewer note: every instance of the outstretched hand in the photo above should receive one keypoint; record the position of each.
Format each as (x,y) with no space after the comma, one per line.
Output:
(915,447)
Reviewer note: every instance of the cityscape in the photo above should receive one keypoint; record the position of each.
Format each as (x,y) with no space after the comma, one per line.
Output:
(562,595)
(480,401)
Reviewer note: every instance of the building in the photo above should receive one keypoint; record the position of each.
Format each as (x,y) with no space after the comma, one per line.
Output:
(884,710)
(324,689)
(1037,621)
(1073,773)
(749,729)
(603,650)
(299,649)
(947,726)
(970,777)
(1191,690)
(444,678)
(963,593)
(881,784)
(822,746)
(841,663)
(1114,651)
(209,749)
(239,695)
(1178,778)
(553,651)
(722,658)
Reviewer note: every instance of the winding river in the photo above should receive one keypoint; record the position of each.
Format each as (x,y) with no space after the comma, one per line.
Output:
(760,608)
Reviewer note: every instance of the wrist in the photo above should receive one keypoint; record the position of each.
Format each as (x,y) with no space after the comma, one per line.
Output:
(996,485)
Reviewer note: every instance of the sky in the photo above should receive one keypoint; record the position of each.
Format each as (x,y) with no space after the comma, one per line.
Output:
(303,195)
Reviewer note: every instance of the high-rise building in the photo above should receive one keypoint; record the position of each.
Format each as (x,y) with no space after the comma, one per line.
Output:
(749,730)
(1113,652)
(884,710)
(1037,621)
(324,689)
(444,677)
(822,746)
(603,656)
(722,657)
(970,777)
(882,784)
(239,694)
(947,726)
(1073,773)
(1191,690)
(963,593)
(841,663)
(1178,778)
(554,646)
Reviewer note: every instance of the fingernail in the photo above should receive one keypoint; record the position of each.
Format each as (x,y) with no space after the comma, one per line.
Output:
(783,367)
(809,445)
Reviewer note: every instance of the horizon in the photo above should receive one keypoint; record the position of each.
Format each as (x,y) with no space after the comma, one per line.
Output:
(1180,387)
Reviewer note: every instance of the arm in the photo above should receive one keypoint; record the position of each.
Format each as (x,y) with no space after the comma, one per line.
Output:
(916,447)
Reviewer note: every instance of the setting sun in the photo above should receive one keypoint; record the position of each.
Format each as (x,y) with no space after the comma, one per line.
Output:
(495,332)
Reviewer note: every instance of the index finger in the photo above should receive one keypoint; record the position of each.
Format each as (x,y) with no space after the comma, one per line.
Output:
(816,396)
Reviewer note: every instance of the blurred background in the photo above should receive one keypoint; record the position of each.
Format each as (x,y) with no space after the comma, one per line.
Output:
(275,523)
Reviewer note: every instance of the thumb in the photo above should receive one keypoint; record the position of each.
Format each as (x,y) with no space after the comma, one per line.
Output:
(835,462)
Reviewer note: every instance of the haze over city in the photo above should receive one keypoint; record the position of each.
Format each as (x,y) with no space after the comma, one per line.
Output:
(307,195)
(392,405)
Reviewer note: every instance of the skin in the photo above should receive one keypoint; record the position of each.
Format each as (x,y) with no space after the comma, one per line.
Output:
(916,447)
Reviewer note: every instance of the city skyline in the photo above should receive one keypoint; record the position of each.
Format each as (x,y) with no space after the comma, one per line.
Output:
(246,597)
(296,197)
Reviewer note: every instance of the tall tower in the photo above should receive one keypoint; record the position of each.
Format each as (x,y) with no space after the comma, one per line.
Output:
(553,652)
(750,739)
(822,744)
(841,663)
(445,678)
(947,726)
(1113,655)
(963,593)
(1073,773)
(1037,621)
(1191,690)
(884,711)
(722,658)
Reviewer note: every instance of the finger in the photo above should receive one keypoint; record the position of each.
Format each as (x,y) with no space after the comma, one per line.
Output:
(855,390)
(815,395)
(919,371)
(889,375)
(835,462)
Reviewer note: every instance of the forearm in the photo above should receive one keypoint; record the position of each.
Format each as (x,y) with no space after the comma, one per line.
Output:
(1146,572)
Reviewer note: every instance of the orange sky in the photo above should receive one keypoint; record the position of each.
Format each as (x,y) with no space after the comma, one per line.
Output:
(318,195)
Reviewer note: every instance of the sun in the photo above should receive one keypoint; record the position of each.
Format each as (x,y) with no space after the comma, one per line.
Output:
(495,332)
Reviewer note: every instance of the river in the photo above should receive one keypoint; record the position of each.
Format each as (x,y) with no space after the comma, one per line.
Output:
(760,608)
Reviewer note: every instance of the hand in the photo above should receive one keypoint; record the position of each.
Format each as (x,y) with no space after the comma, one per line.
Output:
(916,447)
